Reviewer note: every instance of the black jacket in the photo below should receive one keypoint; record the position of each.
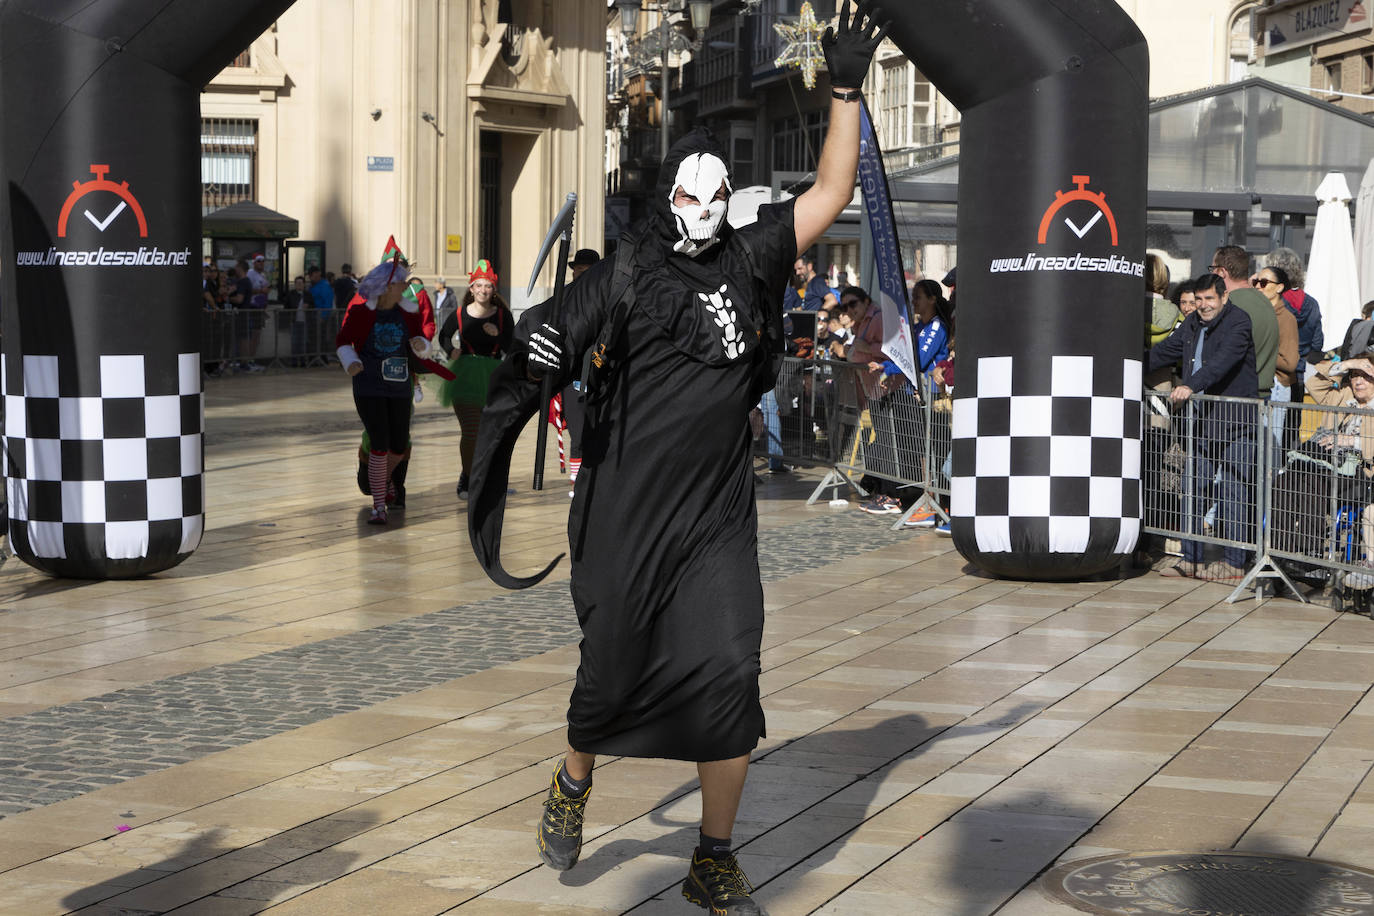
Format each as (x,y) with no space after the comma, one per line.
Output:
(1228,354)
(1228,365)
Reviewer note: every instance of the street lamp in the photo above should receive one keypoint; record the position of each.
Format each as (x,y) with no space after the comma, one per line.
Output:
(629,16)
(699,13)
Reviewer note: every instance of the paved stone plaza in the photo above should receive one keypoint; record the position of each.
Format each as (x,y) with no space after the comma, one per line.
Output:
(312,715)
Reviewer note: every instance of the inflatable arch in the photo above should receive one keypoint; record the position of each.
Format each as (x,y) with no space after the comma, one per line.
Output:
(100,247)
(1053,148)
(99,240)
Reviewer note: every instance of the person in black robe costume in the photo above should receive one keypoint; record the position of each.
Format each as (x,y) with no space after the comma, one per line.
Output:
(663,530)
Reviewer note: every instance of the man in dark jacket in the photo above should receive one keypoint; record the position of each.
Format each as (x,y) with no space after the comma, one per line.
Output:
(1217,349)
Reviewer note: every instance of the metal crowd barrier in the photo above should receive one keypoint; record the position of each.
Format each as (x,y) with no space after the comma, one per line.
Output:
(1242,475)
(1321,520)
(273,337)
(1279,490)
(856,423)
(1203,466)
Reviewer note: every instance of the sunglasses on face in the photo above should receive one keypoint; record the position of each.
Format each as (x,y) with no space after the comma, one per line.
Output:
(1261,282)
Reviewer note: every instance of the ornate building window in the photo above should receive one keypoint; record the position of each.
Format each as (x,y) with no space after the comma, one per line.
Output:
(228,161)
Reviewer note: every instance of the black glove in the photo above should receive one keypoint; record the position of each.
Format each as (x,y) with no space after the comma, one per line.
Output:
(545,352)
(849,51)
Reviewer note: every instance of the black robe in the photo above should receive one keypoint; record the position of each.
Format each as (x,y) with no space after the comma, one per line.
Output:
(663,529)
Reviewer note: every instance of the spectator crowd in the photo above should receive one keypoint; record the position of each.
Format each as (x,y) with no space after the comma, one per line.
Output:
(1245,333)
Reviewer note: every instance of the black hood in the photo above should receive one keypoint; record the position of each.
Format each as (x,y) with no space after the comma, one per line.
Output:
(662,223)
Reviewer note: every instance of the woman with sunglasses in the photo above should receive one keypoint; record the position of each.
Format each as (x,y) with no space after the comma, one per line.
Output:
(1273,282)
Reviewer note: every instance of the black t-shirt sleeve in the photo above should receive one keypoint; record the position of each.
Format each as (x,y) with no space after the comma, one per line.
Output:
(503,340)
(772,240)
(446,333)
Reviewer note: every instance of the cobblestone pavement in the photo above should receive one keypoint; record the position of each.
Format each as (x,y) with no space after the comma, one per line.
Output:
(65,751)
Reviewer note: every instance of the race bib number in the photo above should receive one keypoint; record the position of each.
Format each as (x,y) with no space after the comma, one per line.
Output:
(395,369)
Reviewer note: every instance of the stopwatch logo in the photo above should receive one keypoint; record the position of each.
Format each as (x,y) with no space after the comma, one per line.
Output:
(126,201)
(1061,199)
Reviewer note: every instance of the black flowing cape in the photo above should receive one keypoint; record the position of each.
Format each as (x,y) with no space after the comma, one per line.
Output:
(663,529)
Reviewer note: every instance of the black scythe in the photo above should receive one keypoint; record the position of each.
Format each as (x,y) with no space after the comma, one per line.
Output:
(561,230)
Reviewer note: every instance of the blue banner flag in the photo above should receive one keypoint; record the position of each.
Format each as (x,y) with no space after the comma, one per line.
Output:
(891,293)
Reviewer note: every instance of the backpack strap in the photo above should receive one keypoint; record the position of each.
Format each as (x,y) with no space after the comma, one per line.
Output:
(599,364)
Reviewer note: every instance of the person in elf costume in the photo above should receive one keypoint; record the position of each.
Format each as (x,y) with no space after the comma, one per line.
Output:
(476,337)
(383,340)
(396,492)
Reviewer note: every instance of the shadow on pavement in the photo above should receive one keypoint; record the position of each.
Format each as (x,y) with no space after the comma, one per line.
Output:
(889,744)
(988,852)
(819,812)
(274,869)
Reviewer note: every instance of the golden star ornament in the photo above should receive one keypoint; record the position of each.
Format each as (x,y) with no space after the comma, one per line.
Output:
(803,48)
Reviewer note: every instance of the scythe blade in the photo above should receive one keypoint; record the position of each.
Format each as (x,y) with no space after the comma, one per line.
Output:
(562,225)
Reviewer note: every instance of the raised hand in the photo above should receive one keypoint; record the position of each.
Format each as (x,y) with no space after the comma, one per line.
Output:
(545,352)
(849,51)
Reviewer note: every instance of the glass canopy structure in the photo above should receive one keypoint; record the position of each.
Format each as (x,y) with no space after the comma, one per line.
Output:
(1234,164)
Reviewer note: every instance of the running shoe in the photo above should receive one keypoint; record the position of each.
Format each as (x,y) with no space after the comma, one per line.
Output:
(881,505)
(943,531)
(719,885)
(922,518)
(254,367)
(560,829)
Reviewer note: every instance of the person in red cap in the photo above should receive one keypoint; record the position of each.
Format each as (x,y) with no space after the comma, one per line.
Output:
(477,336)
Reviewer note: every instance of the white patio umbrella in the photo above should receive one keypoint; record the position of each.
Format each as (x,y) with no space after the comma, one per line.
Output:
(1331,268)
(1364,234)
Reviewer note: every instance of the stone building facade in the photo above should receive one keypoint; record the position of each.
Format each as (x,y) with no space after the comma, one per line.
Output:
(456,125)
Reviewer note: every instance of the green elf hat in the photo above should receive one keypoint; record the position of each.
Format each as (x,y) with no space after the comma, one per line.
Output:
(484,271)
(413,290)
(393,251)
(393,254)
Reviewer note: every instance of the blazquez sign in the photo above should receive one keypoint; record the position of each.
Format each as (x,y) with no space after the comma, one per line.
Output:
(1303,22)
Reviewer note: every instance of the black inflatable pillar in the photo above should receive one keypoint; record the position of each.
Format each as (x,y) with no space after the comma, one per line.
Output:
(1052,172)
(100,284)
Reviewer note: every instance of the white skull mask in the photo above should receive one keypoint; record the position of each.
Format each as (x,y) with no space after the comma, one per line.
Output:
(700,175)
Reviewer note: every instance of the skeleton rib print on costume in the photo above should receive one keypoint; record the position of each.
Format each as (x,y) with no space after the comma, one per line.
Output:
(723,311)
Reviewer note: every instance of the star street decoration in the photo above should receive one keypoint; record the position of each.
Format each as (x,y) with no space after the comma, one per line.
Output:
(803,48)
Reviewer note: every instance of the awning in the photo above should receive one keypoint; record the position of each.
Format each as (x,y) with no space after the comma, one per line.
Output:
(248,219)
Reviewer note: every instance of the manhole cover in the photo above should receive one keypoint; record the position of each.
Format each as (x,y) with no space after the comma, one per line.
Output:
(1223,884)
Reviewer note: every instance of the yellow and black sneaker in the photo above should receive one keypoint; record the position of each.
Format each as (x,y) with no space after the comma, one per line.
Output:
(560,829)
(719,885)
